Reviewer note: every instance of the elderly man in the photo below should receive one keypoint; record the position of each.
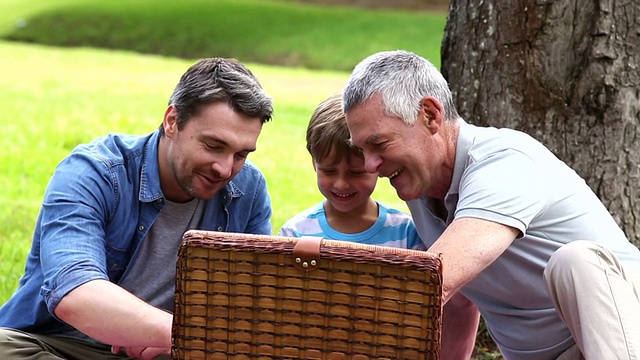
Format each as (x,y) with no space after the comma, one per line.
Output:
(526,243)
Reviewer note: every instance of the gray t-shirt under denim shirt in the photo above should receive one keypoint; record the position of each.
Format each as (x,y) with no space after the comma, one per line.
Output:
(151,276)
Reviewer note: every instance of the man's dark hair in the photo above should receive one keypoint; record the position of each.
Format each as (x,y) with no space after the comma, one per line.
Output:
(219,79)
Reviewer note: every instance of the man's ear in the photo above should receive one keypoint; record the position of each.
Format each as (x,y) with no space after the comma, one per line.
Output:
(431,113)
(170,121)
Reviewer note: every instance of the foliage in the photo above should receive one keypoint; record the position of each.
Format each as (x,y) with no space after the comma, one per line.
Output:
(269,32)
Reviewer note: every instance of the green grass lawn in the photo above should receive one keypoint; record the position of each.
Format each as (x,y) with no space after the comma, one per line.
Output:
(54,99)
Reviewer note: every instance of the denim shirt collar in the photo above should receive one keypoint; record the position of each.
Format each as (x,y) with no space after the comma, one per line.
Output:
(233,191)
(150,189)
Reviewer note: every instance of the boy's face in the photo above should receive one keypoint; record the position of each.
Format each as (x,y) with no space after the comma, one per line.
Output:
(346,185)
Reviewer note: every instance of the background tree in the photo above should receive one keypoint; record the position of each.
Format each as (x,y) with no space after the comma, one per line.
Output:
(566,72)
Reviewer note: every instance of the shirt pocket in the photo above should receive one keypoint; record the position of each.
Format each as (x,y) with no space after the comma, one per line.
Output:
(117,262)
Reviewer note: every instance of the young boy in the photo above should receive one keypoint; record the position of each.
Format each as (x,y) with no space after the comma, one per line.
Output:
(348,211)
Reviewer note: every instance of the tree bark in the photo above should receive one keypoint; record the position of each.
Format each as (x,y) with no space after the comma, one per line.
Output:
(566,72)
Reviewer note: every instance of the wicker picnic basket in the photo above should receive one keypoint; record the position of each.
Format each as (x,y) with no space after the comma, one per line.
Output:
(244,296)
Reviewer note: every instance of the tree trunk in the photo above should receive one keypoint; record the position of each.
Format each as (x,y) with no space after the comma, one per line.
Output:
(566,72)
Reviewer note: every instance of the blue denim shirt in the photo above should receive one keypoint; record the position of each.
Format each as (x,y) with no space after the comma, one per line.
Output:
(98,206)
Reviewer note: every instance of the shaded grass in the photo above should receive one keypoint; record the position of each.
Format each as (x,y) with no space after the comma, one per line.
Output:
(268,32)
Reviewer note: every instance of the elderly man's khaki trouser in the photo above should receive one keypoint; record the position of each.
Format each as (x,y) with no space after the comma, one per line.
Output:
(597,299)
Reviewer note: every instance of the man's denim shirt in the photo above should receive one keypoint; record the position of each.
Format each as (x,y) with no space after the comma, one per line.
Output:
(98,206)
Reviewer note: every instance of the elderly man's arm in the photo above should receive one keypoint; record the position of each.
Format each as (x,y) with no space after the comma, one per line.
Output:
(459,328)
(468,246)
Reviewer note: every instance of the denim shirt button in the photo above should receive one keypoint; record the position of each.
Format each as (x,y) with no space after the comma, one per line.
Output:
(140,227)
(220,228)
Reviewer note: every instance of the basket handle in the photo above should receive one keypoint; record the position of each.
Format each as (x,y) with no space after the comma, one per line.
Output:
(306,253)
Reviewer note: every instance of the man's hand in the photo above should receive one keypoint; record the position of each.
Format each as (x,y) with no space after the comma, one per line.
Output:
(144,353)
(119,319)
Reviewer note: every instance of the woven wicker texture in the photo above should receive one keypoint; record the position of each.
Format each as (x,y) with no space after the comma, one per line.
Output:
(241,297)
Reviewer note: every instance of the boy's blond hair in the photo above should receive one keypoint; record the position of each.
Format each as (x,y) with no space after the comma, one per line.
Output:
(327,132)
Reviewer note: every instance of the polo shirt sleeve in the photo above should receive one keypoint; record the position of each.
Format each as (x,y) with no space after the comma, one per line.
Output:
(503,185)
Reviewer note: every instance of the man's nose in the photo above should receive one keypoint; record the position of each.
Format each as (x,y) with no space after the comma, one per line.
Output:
(223,166)
(372,162)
